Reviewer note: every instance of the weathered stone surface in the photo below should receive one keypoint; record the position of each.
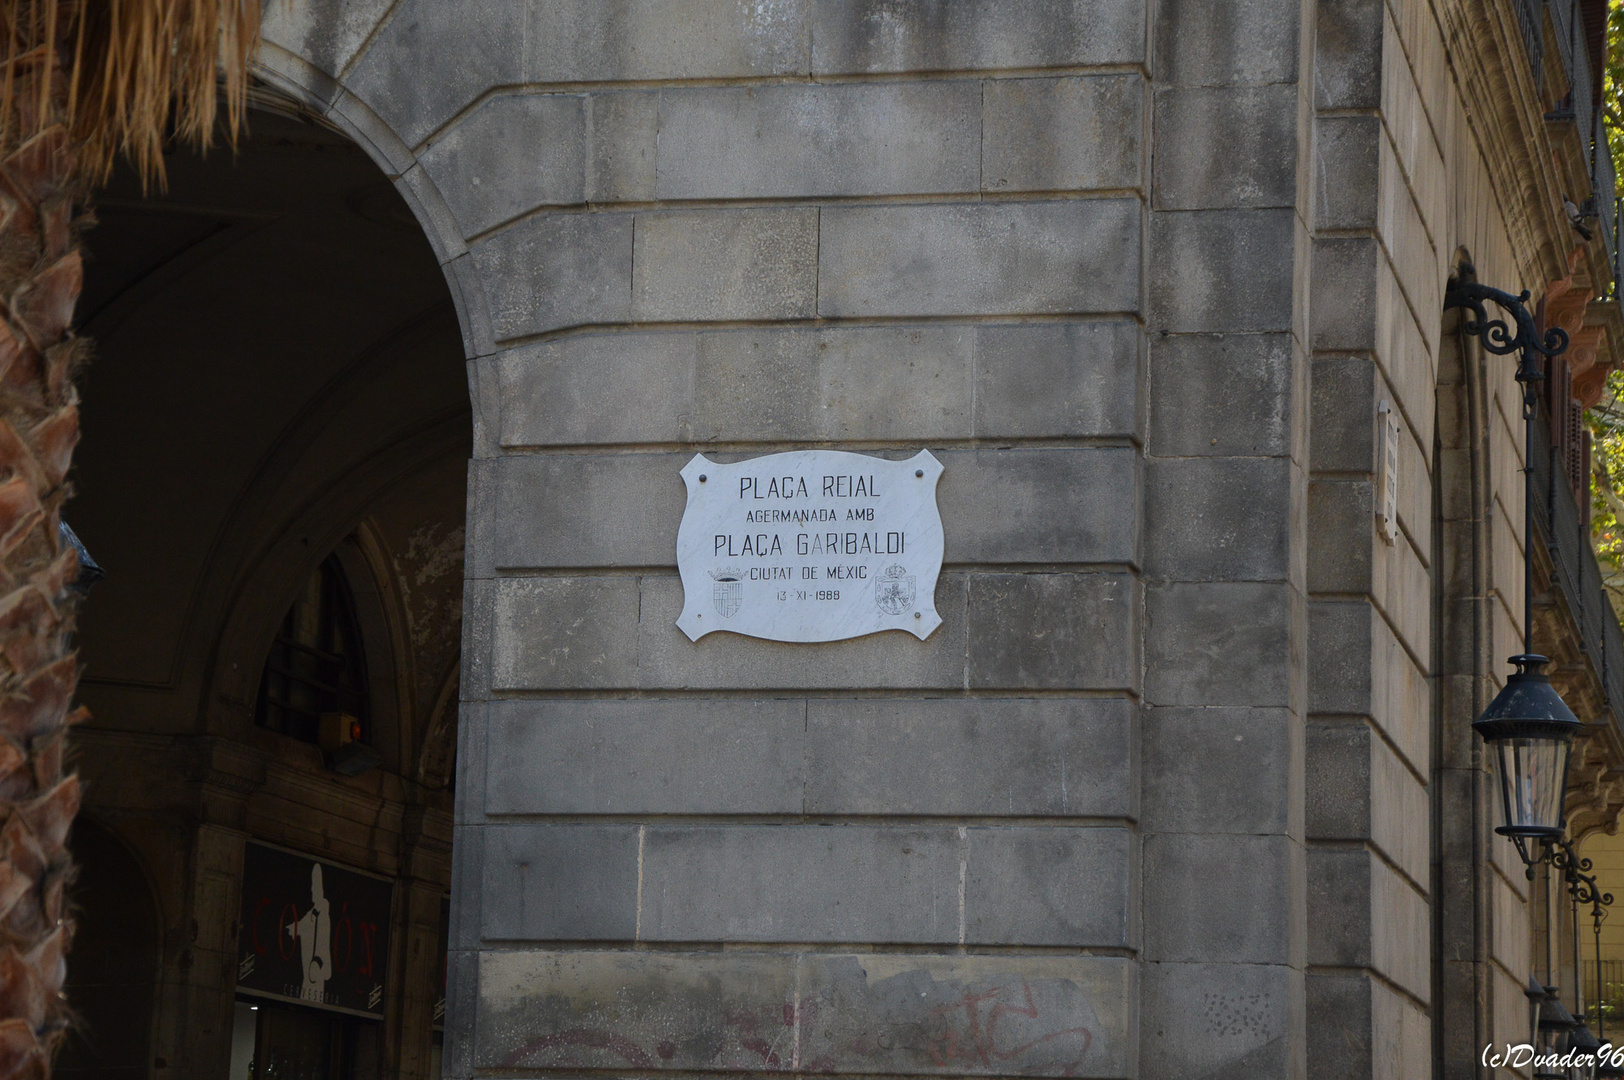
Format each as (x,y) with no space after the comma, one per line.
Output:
(1199,910)
(478,638)
(1218,519)
(621,148)
(1071,134)
(1007,506)
(1342,522)
(1223,271)
(1221,147)
(1058,380)
(1224,395)
(1041,631)
(859,383)
(1343,418)
(1358,1027)
(850,36)
(1218,643)
(868,1014)
(1042,506)
(557,270)
(1348,55)
(512,154)
(986,259)
(468,297)
(819,140)
(1343,305)
(324,32)
(564,632)
(909,1015)
(481,521)
(581,510)
(1347,171)
(467,886)
(574,41)
(982,757)
(616,388)
(667,659)
(1357,667)
(638,757)
(1362,914)
(869,383)
(468,47)
(1359,789)
(1221,1020)
(473,728)
(1226,42)
(1049,886)
(725,264)
(462,997)
(634,1010)
(559,882)
(429,209)
(1253,749)
(794,883)
(558,633)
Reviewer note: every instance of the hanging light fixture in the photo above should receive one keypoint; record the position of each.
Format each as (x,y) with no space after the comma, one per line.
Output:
(1555,1025)
(1527,725)
(1530,731)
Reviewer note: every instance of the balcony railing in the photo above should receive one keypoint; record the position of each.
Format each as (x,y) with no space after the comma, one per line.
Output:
(1575,571)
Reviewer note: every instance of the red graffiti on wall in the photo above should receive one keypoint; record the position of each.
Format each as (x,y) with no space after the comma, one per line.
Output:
(973,1036)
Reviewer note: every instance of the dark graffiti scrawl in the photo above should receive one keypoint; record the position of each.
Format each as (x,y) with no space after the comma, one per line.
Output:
(1041,1027)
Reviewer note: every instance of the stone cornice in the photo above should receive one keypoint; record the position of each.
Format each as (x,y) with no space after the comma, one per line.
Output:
(1506,113)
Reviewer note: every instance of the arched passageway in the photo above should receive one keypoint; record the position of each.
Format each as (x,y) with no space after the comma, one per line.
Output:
(273,478)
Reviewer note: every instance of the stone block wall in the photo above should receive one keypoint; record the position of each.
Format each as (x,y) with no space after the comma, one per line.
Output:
(874,226)
(1154,799)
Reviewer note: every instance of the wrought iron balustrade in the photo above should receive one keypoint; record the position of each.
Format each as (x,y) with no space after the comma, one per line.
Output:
(1575,571)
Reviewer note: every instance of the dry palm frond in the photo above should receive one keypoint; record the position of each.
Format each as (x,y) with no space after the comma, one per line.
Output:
(122,76)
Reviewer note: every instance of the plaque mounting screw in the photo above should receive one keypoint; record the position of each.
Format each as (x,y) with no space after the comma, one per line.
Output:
(701,478)
(919,472)
(917,615)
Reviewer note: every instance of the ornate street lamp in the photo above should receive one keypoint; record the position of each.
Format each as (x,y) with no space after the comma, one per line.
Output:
(1527,724)
(1530,730)
(1555,1024)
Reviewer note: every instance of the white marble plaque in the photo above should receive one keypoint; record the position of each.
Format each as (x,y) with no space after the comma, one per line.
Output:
(812,545)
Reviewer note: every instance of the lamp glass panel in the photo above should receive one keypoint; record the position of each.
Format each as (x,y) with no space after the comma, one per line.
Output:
(1532,773)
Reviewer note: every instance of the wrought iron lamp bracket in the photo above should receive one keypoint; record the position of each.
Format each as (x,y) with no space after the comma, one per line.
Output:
(1582,885)
(1466,293)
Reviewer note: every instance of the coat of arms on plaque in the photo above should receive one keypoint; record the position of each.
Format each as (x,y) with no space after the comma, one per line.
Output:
(728,591)
(894,590)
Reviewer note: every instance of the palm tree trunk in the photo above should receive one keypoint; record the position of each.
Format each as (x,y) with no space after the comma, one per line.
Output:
(40,278)
(80,81)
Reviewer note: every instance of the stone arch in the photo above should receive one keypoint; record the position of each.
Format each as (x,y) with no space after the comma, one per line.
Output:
(304,83)
(319,374)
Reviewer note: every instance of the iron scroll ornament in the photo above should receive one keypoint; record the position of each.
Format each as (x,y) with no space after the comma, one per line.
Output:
(1582,885)
(1465,292)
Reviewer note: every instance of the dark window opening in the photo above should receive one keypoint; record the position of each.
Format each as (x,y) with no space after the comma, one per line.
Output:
(315,666)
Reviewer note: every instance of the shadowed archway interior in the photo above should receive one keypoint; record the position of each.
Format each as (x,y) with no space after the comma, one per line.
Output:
(278,387)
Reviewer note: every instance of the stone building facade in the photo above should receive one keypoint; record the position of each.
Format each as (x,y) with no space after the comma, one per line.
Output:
(1184,784)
